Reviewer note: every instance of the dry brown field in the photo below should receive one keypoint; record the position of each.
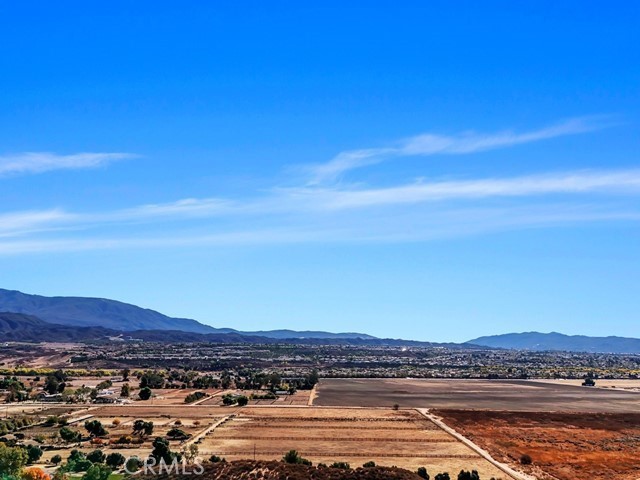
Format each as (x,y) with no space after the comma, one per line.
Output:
(324,435)
(301,398)
(632,385)
(513,395)
(403,438)
(563,446)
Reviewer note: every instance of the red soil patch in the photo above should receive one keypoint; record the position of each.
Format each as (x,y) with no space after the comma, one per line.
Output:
(562,445)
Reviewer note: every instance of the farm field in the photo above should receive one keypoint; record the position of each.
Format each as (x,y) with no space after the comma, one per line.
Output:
(403,438)
(300,398)
(514,395)
(563,446)
(632,385)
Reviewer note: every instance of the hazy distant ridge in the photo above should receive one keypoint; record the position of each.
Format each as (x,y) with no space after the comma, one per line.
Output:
(114,315)
(560,342)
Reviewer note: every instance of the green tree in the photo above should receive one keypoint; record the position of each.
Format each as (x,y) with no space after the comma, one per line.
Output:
(274,381)
(442,476)
(151,380)
(145,393)
(97,456)
(242,400)
(51,385)
(292,457)
(133,464)
(97,472)
(141,427)
(56,459)
(12,459)
(369,465)
(125,391)
(69,435)
(95,428)
(33,453)
(161,450)
(115,460)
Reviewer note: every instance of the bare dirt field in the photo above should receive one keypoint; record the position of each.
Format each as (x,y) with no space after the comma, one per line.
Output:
(514,395)
(403,438)
(632,385)
(325,435)
(563,446)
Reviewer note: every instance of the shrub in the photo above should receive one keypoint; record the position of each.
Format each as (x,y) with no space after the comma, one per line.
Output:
(97,472)
(97,456)
(69,435)
(464,475)
(293,457)
(133,464)
(34,474)
(124,439)
(194,397)
(176,433)
(526,460)
(341,465)
(115,460)
(422,473)
(369,464)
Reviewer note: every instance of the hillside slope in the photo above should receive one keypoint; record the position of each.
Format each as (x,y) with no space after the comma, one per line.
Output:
(83,312)
(111,314)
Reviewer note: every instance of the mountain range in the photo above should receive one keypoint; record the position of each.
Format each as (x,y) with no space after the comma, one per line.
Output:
(119,316)
(25,317)
(554,341)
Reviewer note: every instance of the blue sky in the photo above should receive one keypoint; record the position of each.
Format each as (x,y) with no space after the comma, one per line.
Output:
(425,170)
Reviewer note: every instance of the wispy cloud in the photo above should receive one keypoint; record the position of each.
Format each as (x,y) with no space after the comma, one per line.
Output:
(39,162)
(325,209)
(427,225)
(614,182)
(435,144)
(322,211)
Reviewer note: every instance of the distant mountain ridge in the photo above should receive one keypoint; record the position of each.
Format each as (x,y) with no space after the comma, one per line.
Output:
(559,342)
(18,327)
(119,316)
